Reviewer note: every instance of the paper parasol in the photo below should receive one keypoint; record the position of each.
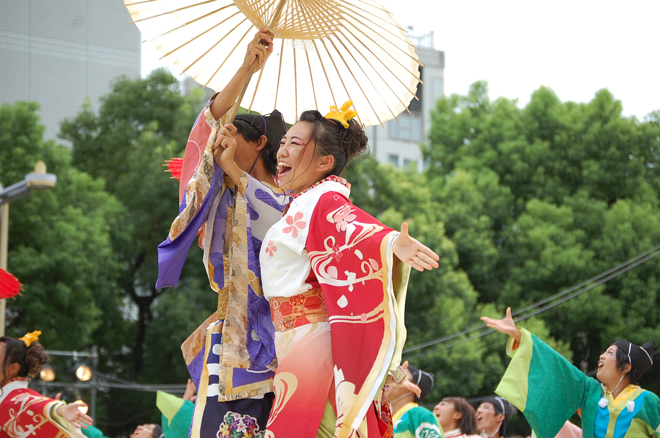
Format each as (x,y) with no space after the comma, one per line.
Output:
(9,285)
(325,51)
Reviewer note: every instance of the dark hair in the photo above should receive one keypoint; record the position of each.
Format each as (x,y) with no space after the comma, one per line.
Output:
(468,422)
(331,138)
(252,134)
(31,359)
(423,380)
(158,431)
(622,361)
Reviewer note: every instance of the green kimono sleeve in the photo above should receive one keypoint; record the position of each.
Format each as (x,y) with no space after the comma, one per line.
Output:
(92,432)
(547,388)
(650,414)
(177,415)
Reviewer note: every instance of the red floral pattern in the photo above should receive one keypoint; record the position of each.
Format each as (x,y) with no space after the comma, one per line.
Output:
(295,223)
(343,217)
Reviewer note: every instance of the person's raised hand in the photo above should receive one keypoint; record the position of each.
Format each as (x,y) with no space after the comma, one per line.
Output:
(225,144)
(189,394)
(505,325)
(259,49)
(410,386)
(411,251)
(73,415)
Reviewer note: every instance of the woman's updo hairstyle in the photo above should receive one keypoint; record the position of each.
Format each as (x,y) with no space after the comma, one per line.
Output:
(31,359)
(331,138)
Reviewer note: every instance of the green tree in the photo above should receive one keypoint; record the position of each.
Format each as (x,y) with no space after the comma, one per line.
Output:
(140,124)
(540,198)
(59,244)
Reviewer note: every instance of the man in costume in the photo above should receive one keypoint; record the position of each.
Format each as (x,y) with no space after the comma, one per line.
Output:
(231,355)
(548,389)
(410,419)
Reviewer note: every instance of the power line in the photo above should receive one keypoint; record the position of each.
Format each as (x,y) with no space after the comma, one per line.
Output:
(566,294)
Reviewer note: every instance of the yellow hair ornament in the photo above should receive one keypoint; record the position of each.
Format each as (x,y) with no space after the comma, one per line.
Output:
(31,337)
(343,115)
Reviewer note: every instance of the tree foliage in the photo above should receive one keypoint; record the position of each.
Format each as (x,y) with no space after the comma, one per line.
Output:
(520,203)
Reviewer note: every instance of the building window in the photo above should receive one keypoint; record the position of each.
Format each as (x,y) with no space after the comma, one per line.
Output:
(394,160)
(438,88)
(409,127)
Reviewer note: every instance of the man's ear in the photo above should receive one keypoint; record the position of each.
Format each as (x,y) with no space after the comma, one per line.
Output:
(500,417)
(458,415)
(627,368)
(325,163)
(262,142)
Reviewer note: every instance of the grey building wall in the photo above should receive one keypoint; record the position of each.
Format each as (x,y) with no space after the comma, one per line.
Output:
(61,53)
(398,142)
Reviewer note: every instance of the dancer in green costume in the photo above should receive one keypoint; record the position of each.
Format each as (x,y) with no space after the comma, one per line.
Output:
(548,389)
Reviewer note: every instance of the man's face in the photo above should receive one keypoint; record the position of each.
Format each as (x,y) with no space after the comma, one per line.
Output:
(246,153)
(144,431)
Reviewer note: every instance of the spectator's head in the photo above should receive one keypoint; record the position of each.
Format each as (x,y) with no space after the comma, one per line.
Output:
(456,413)
(21,357)
(149,430)
(422,379)
(262,135)
(492,416)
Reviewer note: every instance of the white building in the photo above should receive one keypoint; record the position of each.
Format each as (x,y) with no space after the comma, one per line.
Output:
(398,143)
(61,53)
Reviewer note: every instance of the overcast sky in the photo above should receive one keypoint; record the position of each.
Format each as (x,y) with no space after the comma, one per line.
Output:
(574,47)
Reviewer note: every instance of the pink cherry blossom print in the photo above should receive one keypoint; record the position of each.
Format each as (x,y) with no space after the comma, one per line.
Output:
(295,224)
(343,217)
(332,272)
(336,253)
(271,249)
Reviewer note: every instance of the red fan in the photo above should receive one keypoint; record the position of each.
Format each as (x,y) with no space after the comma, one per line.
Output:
(174,167)
(9,285)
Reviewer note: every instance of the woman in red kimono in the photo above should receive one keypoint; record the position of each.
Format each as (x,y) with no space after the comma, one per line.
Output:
(26,413)
(336,284)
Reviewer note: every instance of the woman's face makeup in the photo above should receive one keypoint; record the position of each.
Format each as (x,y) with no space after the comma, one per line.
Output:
(296,161)
(607,370)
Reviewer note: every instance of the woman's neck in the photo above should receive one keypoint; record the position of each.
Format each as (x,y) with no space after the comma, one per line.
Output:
(398,404)
(615,388)
(491,434)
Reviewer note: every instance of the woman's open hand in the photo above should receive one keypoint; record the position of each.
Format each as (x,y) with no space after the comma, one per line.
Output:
(505,325)
(410,250)
(73,415)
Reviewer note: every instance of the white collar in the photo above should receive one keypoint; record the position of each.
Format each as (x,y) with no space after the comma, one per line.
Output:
(11,386)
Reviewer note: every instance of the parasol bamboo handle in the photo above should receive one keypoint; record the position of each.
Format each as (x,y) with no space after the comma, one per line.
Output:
(234,109)
(231,115)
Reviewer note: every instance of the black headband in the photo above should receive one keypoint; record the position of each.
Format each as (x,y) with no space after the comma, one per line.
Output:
(640,358)
(271,125)
(422,379)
